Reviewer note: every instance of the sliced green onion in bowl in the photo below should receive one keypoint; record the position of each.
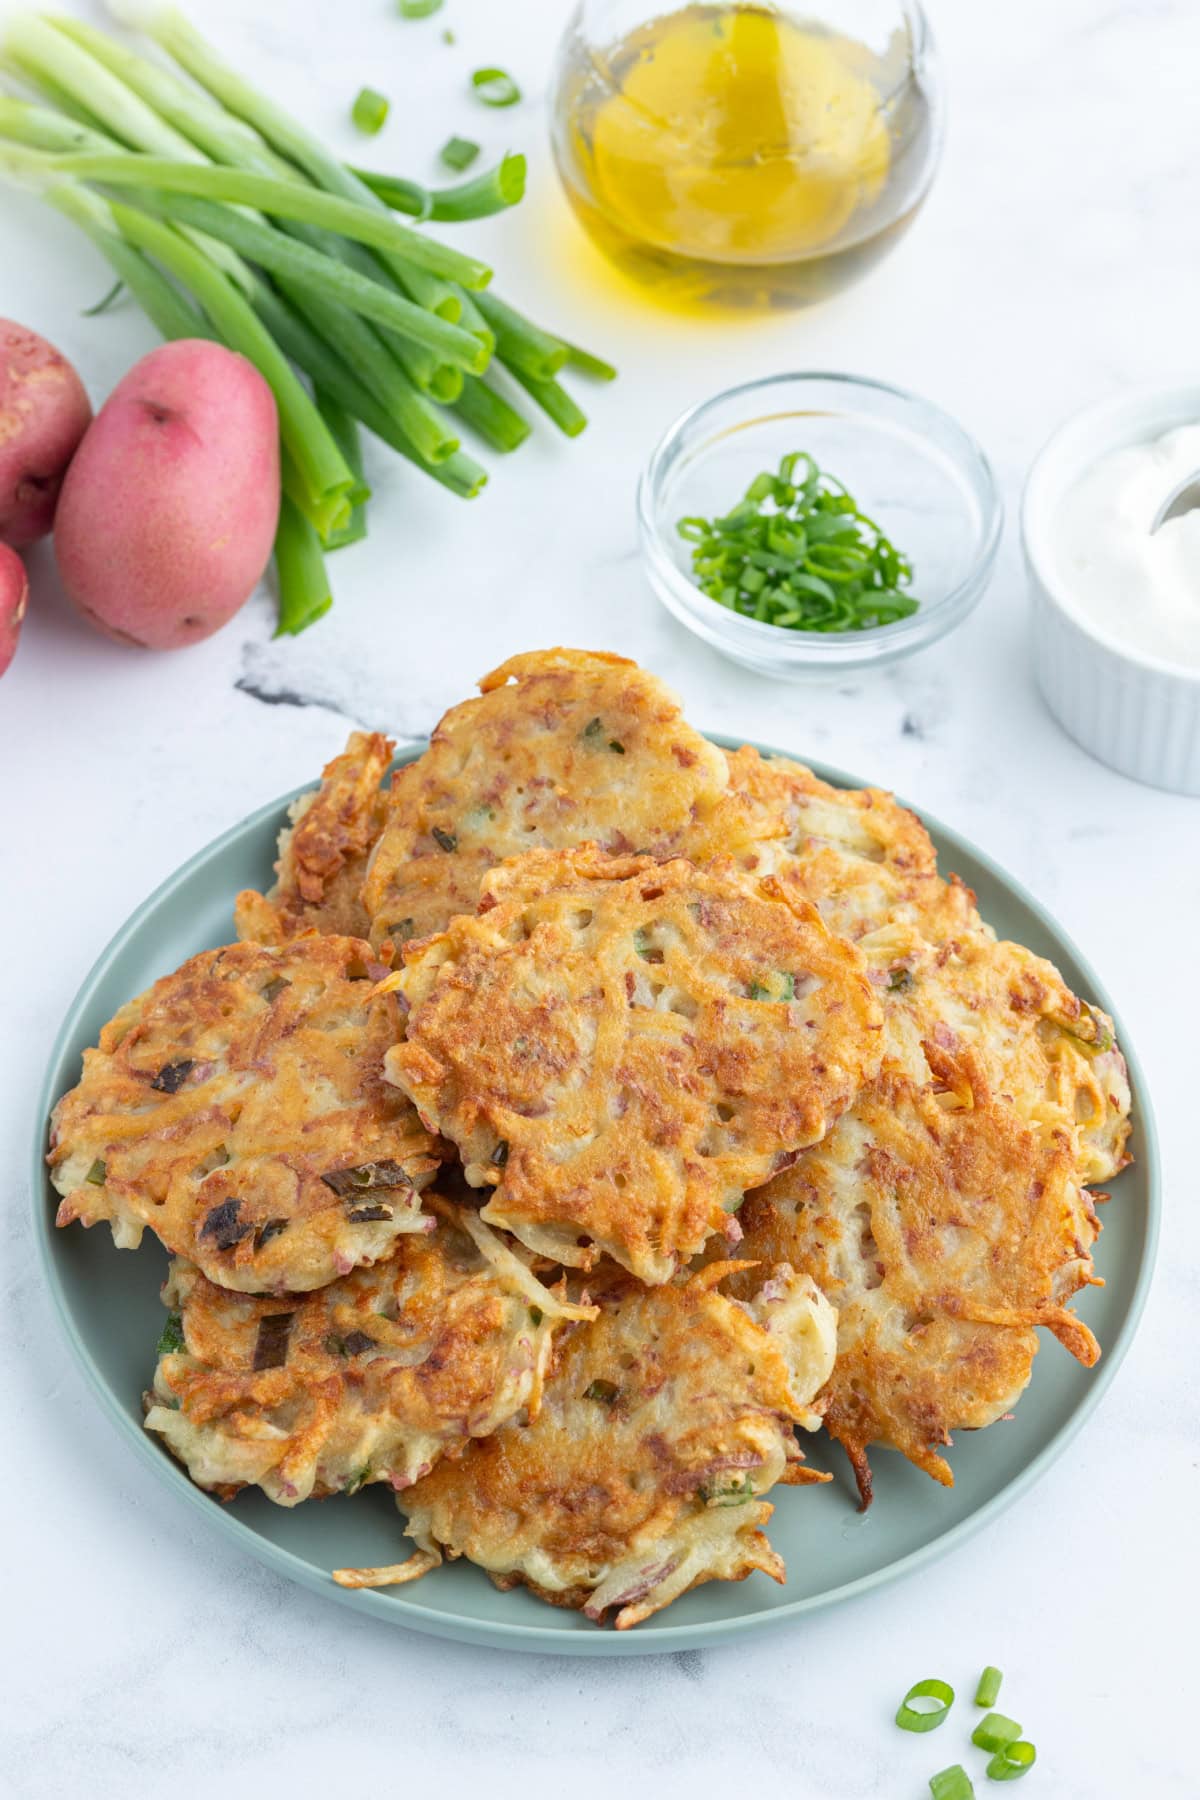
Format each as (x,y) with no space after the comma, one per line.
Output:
(495,87)
(988,1691)
(1011,1763)
(951,1784)
(995,1731)
(925,1718)
(458,153)
(370,110)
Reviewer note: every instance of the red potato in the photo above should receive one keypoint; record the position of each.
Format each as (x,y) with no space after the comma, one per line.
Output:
(168,513)
(43,414)
(14,597)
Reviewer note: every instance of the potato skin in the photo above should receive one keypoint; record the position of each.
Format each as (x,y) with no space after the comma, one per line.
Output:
(14,597)
(168,513)
(44,412)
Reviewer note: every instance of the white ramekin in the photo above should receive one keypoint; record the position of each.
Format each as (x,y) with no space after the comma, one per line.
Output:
(1136,712)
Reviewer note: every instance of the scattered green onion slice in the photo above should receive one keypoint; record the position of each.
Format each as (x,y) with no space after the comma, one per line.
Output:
(97,1174)
(988,1691)
(1012,1762)
(796,551)
(370,110)
(952,1784)
(459,153)
(171,1339)
(925,1718)
(419,9)
(994,1732)
(495,87)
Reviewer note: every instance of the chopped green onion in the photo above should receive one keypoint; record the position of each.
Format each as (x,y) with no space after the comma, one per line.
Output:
(1012,1762)
(797,552)
(952,1784)
(448,36)
(171,1339)
(495,87)
(458,153)
(603,1391)
(419,9)
(370,110)
(93,312)
(445,839)
(995,1731)
(925,1718)
(988,1691)
(97,1174)
(482,195)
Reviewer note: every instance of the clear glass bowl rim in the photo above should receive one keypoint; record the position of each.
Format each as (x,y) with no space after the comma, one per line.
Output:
(837,648)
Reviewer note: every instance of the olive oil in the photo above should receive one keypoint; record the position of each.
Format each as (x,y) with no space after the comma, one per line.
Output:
(736,153)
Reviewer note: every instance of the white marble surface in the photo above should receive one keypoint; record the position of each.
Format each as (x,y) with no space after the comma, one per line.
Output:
(1056,259)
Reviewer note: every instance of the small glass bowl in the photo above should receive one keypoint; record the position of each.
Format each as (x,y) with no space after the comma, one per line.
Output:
(910,467)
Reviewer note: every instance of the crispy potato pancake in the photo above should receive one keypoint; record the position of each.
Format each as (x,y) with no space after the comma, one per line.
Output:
(1051,1054)
(323,852)
(372,1378)
(622,1047)
(238,1109)
(859,856)
(561,747)
(944,1231)
(662,1426)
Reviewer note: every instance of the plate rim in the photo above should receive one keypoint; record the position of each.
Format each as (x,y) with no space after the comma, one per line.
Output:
(393,1608)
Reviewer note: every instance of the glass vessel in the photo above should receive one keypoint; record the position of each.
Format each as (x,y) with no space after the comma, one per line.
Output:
(757,154)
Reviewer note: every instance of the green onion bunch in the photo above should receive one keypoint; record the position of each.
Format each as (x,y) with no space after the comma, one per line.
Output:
(796,551)
(225,218)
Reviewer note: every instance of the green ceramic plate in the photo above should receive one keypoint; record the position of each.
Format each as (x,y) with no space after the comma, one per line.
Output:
(109,1305)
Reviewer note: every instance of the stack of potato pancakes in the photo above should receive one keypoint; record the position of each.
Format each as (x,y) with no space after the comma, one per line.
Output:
(577,1117)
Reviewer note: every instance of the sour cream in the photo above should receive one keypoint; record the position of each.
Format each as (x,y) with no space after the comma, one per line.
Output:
(1141,588)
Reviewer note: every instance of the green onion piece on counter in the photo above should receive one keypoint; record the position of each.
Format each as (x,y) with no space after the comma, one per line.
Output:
(995,1731)
(458,153)
(952,1784)
(925,1718)
(1011,1763)
(796,551)
(495,87)
(448,36)
(370,110)
(419,9)
(988,1691)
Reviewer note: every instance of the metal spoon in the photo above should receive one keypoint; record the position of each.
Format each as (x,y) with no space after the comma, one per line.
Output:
(1183,498)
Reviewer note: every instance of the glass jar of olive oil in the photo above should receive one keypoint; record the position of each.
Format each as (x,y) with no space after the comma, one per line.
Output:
(759,153)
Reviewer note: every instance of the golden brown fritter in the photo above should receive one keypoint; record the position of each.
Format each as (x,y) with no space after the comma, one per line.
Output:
(622,1047)
(238,1109)
(944,1231)
(323,852)
(662,1426)
(561,747)
(1051,1054)
(859,856)
(372,1378)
